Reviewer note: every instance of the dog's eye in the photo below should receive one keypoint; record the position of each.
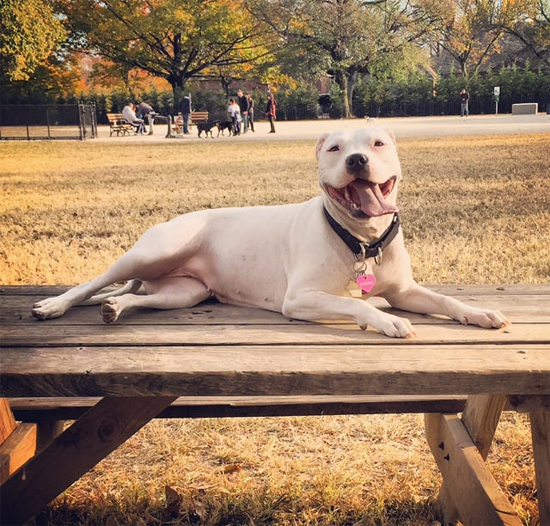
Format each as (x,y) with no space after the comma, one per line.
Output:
(378,143)
(334,148)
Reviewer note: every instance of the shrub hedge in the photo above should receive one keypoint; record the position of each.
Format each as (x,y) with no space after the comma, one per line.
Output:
(410,96)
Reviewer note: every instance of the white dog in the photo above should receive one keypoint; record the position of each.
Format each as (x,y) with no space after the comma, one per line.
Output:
(298,259)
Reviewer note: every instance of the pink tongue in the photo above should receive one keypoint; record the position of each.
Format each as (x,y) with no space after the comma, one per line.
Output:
(372,200)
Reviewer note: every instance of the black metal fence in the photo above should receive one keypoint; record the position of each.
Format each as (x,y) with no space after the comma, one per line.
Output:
(48,121)
(476,106)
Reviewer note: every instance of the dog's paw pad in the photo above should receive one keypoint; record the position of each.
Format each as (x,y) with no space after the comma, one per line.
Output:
(109,310)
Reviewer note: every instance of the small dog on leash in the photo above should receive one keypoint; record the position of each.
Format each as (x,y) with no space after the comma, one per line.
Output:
(225,125)
(298,259)
(207,128)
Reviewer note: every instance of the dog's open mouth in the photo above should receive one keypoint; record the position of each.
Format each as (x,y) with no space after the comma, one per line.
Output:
(362,196)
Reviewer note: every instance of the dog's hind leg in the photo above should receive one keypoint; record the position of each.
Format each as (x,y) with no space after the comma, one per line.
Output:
(164,293)
(125,268)
(131,287)
(57,306)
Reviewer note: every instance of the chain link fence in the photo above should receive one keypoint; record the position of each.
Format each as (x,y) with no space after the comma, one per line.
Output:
(48,121)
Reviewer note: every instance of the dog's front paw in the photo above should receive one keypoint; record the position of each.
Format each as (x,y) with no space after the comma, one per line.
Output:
(488,319)
(394,326)
(49,308)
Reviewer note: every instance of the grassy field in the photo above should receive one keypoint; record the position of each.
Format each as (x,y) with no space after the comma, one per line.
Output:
(474,210)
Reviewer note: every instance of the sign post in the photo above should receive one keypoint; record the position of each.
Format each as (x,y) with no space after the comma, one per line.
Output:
(496,94)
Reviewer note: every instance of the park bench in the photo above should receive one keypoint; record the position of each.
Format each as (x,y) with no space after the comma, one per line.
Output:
(119,125)
(175,124)
(217,360)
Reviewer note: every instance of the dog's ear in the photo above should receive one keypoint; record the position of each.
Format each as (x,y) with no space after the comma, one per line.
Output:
(320,143)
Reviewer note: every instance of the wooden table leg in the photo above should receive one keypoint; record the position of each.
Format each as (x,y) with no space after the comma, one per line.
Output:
(79,448)
(468,485)
(7,421)
(17,442)
(540,431)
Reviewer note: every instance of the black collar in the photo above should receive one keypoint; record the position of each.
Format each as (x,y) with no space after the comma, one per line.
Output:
(360,249)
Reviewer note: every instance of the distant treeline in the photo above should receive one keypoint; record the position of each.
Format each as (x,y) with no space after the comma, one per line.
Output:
(414,95)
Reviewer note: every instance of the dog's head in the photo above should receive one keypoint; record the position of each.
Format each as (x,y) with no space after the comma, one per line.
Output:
(359,171)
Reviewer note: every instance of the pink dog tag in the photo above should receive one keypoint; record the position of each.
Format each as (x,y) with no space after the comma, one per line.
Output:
(366,283)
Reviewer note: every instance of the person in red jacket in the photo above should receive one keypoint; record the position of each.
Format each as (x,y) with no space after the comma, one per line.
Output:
(271,111)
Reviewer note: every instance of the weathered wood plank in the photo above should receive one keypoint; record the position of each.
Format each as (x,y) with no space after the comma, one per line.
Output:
(46,409)
(7,421)
(16,450)
(41,334)
(79,448)
(286,370)
(479,499)
(17,311)
(480,418)
(529,404)
(540,431)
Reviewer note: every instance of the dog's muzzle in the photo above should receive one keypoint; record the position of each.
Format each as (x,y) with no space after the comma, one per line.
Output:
(357,163)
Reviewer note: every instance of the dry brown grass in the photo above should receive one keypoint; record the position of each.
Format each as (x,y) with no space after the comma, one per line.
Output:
(475,210)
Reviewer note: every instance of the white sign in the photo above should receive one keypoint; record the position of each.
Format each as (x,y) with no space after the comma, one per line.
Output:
(496,91)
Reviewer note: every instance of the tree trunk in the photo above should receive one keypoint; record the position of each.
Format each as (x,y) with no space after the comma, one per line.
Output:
(352,82)
(342,81)
(178,90)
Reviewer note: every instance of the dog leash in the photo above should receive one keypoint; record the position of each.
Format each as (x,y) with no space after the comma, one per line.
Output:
(363,250)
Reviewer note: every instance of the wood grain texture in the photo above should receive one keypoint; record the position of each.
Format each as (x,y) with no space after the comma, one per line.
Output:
(230,361)
(480,418)
(41,334)
(540,431)
(479,499)
(79,448)
(17,449)
(17,311)
(7,421)
(53,409)
(288,370)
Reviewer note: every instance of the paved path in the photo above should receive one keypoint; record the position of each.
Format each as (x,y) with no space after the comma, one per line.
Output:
(402,127)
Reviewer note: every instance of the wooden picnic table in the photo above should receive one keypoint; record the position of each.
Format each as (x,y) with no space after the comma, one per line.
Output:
(219,360)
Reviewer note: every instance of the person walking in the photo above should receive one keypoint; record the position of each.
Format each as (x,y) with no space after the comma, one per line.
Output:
(242,100)
(464,103)
(250,112)
(271,111)
(186,110)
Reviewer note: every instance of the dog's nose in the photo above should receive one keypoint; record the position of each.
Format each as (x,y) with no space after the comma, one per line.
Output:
(356,162)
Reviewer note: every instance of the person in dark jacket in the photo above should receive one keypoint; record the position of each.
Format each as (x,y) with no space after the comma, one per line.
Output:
(186,109)
(145,111)
(250,112)
(242,100)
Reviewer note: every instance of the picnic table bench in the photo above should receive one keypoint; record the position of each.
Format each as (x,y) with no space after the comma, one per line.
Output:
(216,360)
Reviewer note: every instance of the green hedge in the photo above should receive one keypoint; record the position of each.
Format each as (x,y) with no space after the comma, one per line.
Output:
(372,97)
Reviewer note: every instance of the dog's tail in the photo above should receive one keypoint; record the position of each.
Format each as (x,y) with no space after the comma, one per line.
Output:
(130,288)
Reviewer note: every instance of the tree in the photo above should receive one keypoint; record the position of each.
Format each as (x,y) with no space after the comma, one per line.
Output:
(529,22)
(470,34)
(170,39)
(347,37)
(29,33)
